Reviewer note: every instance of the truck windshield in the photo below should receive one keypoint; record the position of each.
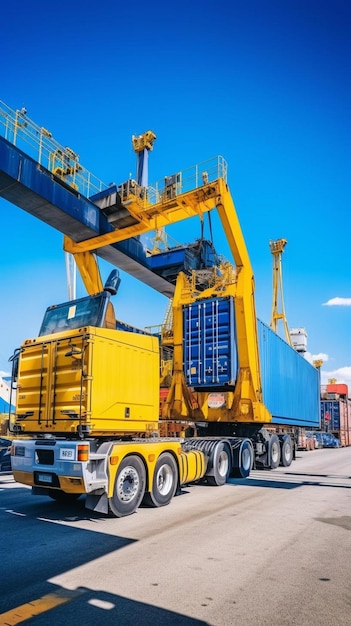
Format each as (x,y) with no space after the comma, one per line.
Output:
(88,311)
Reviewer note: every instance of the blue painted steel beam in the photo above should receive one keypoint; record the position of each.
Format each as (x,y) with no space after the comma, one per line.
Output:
(34,189)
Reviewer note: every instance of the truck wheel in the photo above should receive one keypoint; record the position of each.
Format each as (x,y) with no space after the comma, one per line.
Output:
(164,483)
(221,465)
(243,459)
(286,456)
(273,452)
(129,487)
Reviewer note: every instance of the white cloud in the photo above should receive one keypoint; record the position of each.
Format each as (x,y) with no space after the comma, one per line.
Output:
(4,374)
(316,357)
(342,375)
(338,302)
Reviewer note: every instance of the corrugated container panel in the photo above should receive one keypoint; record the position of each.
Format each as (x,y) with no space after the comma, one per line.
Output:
(210,355)
(290,384)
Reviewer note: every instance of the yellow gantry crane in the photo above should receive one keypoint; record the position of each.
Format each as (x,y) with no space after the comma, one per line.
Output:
(277,249)
(134,208)
(172,206)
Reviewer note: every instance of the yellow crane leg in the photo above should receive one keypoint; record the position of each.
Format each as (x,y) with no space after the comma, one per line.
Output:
(88,268)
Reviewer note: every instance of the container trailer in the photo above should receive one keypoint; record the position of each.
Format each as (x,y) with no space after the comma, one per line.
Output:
(90,396)
(88,393)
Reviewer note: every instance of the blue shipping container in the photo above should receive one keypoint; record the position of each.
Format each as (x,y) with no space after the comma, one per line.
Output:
(290,384)
(210,355)
(330,414)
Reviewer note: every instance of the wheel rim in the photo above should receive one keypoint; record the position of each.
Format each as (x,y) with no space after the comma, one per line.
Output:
(164,480)
(246,459)
(223,463)
(128,484)
(275,453)
(287,452)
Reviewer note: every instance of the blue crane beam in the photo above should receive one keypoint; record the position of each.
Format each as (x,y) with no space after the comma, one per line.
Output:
(34,189)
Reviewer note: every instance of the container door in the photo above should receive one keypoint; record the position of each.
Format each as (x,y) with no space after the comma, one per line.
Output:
(209,339)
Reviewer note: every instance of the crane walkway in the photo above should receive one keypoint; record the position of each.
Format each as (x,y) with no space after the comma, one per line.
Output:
(34,189)
(47,180)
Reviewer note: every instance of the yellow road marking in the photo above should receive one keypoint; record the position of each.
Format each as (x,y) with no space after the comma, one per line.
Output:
(46,603)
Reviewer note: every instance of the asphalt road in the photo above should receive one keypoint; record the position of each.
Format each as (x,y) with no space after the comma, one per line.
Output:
(272,549)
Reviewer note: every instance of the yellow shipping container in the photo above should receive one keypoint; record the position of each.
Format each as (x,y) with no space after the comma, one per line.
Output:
(94,381)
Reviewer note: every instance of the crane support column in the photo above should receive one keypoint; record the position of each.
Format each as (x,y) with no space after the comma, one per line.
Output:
(244,401)
(277,249)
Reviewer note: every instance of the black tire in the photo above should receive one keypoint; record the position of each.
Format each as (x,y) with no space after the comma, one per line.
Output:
(220,465)
(62,497)
(287,451)
(273,452)
(165,481)
(129,487)
(243,459)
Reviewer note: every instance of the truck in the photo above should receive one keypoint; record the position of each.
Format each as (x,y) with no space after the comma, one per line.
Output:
(88,386)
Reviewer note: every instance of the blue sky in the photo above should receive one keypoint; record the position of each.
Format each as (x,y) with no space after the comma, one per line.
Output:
(265,83)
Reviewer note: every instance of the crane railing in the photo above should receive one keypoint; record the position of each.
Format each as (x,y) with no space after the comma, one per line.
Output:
(187,180)
(38,143)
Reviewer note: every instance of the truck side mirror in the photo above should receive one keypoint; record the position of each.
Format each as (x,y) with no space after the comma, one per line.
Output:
(113,282)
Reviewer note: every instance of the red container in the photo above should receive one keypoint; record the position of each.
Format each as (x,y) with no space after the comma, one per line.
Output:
(340,389)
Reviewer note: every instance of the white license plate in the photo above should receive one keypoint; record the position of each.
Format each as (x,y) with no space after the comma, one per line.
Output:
(45,478)
(67,454)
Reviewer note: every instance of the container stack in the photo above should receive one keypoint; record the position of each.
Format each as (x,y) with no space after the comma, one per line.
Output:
(336,412)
